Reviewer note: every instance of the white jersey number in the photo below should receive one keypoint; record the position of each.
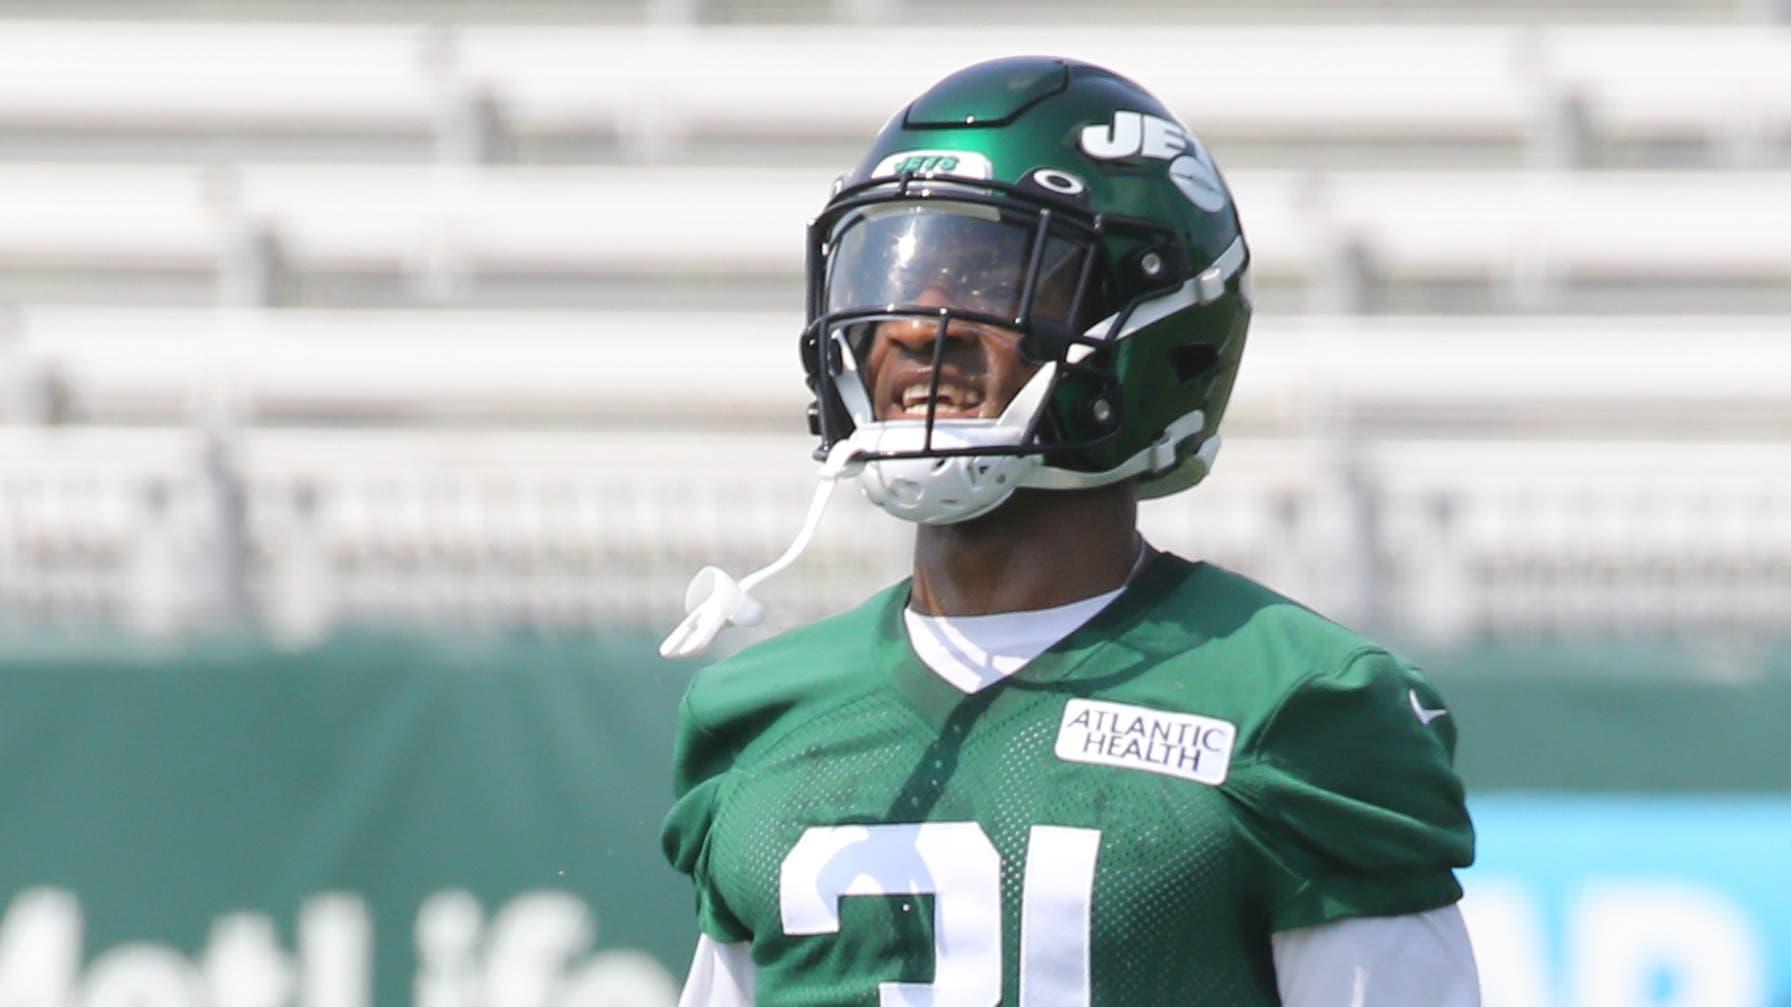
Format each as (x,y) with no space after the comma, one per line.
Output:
(956,864)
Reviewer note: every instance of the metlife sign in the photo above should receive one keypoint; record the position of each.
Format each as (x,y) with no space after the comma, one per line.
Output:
(1632,901)
(535,951)
(380,823)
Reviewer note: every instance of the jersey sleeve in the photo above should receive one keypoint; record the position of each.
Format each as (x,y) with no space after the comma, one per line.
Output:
(1348,794)
(1419,960)
(701,762)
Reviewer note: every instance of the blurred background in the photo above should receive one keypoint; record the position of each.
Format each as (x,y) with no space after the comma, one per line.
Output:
(374,375)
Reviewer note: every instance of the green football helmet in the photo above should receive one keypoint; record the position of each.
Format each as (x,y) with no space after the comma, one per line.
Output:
(1056,206)
(1061,203)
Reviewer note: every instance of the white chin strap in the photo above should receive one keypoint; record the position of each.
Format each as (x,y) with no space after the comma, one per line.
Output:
(975,485)
(927,490)
(715,600)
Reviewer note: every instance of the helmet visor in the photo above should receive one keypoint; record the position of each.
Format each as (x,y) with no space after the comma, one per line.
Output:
(932,255)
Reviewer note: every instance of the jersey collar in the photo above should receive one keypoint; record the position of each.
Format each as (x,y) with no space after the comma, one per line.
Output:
(1097,647)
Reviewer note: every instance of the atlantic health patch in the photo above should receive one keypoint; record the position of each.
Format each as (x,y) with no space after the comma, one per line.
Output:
(1137,737)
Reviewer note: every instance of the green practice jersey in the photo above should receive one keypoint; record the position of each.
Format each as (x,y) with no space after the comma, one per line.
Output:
(1122,822)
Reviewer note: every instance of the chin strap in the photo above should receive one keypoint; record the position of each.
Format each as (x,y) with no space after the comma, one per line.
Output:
(715,600)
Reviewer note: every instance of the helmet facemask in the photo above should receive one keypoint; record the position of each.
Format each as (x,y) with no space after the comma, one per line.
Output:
(938,267)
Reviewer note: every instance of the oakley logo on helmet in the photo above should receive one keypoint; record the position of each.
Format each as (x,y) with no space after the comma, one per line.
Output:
(1061,182)
(928,163)
(1132,134)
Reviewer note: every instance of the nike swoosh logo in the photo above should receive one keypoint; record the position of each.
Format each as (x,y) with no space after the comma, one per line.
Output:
(1424,716)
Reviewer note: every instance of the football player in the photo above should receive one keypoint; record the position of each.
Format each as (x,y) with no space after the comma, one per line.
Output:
(1057,767)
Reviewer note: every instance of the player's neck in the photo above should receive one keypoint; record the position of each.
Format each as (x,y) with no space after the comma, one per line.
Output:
(1040,549)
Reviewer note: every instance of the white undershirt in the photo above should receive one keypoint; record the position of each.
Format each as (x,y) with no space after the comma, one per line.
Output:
(974,652)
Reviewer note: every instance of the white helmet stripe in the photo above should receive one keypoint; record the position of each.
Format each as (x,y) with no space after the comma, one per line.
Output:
(1205,288)
(1158,456)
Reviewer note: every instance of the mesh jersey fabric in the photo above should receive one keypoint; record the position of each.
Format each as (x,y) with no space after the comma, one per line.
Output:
(1337,801)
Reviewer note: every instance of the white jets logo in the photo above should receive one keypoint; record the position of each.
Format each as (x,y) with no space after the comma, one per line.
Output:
(1135,133)
(934,163)
(1425,715)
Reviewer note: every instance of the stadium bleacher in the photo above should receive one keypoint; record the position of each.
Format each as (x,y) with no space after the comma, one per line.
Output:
(1598,241)
(663,91)
(417,313)
(1476,463)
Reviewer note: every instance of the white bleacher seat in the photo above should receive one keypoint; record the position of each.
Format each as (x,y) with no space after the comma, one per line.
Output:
(417,366)
(104,217)
(145,76)
(620,221)
(1712,82)
(560,529)
(1513,538)
(1154,13)
(1531,372)
(689,223)
(1392,81)
(656,86)
(821,81)
(1495,538)
(1662,226)
(638,368)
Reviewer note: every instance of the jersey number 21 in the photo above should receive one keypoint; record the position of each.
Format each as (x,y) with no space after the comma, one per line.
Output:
(956,864)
